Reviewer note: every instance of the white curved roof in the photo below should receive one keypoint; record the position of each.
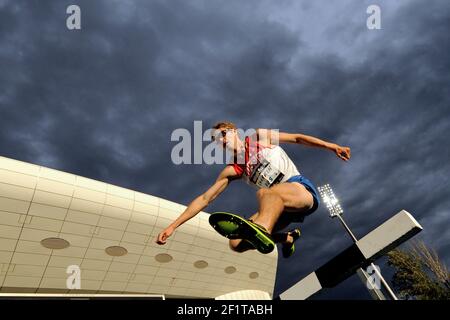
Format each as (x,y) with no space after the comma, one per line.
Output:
(37,203)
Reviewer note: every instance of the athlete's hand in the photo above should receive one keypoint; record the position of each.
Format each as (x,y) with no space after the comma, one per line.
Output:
(342,152)
(162,237)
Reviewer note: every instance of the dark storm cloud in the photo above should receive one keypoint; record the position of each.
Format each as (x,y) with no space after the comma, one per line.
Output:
(102,102)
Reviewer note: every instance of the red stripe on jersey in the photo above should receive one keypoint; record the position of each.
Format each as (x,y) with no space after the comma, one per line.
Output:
(238,169)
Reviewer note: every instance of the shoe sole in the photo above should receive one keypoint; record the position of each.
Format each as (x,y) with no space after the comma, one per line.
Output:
(243,229)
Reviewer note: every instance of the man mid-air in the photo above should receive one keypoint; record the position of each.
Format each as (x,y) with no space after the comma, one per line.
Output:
(284,195)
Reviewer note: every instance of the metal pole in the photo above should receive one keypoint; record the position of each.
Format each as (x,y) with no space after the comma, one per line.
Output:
(385,284)
(347,228)
(383,281)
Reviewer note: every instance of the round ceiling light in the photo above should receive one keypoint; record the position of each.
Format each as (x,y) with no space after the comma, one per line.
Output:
(116,251)
(200,264)
(163,257)
(55,243)
(230,270)
(253,275)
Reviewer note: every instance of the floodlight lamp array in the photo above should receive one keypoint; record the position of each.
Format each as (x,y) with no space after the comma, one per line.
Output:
(330,200)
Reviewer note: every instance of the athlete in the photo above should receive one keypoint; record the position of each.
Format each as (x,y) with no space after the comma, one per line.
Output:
(284,195)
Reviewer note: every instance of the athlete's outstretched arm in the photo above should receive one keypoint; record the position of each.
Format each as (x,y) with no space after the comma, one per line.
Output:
(201,202)
(276,137)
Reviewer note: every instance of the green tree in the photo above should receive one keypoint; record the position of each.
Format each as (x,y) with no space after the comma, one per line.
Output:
(419,274)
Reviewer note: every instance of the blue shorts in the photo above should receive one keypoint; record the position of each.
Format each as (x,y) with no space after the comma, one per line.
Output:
(310,187)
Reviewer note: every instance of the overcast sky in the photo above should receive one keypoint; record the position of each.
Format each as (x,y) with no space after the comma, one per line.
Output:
(102,102)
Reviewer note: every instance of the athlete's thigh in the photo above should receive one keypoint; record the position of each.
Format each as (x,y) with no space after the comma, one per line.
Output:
(295,196)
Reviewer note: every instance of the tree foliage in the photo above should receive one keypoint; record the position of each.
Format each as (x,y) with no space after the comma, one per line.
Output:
(419,273)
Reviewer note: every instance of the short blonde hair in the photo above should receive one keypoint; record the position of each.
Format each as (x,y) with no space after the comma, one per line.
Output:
(224,125)
(221,125)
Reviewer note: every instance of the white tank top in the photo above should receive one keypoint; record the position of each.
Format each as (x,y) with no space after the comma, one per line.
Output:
(265,166)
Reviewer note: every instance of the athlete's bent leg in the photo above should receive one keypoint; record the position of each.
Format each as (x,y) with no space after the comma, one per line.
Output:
(290,196)
(293,197)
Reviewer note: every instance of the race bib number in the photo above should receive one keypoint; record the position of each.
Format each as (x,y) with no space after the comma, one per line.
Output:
(266,175)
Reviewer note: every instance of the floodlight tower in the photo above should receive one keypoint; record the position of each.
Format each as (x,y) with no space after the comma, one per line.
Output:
(335,210)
